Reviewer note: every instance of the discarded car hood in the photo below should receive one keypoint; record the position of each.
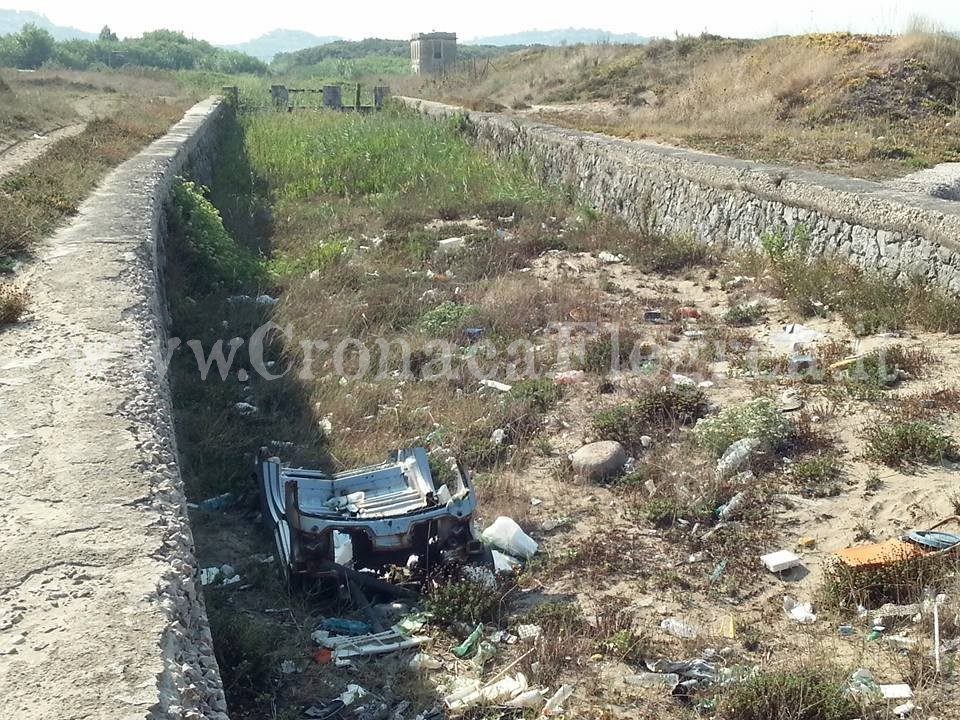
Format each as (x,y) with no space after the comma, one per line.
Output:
(389,511)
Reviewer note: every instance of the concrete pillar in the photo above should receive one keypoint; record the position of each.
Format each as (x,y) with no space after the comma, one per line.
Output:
(280,96)
(381,93)
(331,97)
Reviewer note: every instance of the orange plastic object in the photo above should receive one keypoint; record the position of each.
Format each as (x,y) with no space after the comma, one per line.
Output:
(877,554)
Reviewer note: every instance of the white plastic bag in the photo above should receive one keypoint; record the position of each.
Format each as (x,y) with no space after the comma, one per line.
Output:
(506,535)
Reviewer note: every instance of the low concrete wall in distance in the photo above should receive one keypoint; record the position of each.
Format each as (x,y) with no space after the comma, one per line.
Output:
(101,610)
(732,203)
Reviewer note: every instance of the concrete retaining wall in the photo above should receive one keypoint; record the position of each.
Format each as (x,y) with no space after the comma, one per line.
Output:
(101,614)
(731,203)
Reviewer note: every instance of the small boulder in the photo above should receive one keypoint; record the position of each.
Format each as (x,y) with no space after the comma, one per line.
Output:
(599,460)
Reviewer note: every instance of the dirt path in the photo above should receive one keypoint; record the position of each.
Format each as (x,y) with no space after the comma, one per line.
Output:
(15,156)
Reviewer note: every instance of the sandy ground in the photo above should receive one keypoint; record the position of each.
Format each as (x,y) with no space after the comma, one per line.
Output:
(625,562)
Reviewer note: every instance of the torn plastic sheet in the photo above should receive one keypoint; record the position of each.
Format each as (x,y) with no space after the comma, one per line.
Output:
(391,640)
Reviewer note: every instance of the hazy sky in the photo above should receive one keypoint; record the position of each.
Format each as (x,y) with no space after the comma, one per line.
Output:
(228,22)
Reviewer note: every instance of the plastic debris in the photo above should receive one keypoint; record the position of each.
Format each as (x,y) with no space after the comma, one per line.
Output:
(506,535)
(503,562)
(466,647)
(682,380)
(391,640)
(781,560)
(668,681)
(495,385)
(422,661)
(609,258)
(678,629)
(554,705)
(342,626)
(528,632)
(736,456)
(482,576)
(501,691)
(209,575)
(531,699)
(245,408)
(801,612)
(904,709)
(485,652)
(793,337)
(288,667)
(352,694)
(454,243)
(217,503)
(896,691)
(325,711)
(731,508)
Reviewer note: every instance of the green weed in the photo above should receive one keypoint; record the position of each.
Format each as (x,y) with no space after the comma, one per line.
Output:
(902,444)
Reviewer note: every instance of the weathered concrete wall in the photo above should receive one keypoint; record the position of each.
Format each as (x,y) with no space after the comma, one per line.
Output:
(731,203)
(101,614)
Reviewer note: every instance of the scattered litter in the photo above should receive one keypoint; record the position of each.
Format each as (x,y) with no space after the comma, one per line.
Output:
(793,337)
(789,401)
(352,694)
(506,535)
(806,543)
(890,610)
(801,363)
(482,576)
(896,691)
(678,629)
(682,380)
(288,667)
(245,408)
(325,711)
(264,300)
(654,316)
(668,681)
(900,642)
(736,281)
(781,560)
(731,508)
(503,562)
(904,709)
(706,384)
(422,661)
(846,362)
(568,377)
(845,630)
(689,313)
(343,626)
(473,693)
(554,705)
(391,640)
(495,385)
(498,436)
(531,699)
(466,647)
(217,503)
(454,243)
(485,652)
(718,571)
(801,612)
(736,456)
(528,632)
(609,258)
(209,575)
(694,673)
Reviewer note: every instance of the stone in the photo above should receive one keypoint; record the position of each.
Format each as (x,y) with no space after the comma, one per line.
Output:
(599,460)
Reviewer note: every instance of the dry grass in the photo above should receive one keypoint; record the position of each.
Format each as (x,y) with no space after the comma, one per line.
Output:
(35,199)
(873,106)
(13,303)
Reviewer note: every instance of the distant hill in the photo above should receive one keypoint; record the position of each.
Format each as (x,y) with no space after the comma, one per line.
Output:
(12,21)
(279,41)
(570,36)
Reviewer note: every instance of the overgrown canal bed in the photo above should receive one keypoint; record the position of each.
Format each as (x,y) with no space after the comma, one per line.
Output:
(378,269)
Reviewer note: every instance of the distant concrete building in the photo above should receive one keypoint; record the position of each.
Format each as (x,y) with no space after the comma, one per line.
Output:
(433,53)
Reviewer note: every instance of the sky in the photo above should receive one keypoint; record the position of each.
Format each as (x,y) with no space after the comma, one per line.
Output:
(230,22)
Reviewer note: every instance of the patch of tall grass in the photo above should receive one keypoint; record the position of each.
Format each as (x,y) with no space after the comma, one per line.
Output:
(388,154)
